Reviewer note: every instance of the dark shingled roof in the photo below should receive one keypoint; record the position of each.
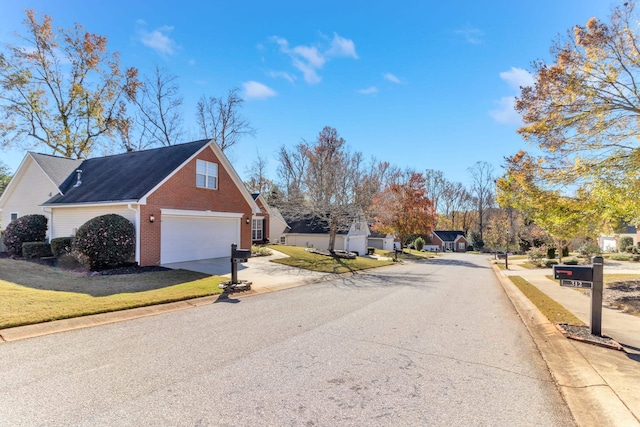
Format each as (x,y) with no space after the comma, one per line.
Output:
(310,226)
(124,177)
(57,168)
(449,235)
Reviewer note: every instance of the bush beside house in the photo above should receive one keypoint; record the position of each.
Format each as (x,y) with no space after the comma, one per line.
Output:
(28,228)
(104,241)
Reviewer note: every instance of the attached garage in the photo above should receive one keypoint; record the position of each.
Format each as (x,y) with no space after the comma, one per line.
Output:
(194,235)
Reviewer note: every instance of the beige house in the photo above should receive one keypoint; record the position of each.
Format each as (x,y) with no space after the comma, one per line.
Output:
(37,179)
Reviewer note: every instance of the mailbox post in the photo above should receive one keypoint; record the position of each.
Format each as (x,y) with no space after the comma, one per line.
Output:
(596,296)
(590,277)
(237,256)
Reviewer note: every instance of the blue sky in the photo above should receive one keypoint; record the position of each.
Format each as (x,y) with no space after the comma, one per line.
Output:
(421,84)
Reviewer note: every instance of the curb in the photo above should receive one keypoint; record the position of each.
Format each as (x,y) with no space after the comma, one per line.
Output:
(590,399)
(40,329)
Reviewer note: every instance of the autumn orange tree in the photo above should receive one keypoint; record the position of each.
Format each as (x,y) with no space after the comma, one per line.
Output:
(61,89)
(583,111)
(403,208)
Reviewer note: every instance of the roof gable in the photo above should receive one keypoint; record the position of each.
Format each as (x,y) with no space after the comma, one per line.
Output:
(56,168)
(449,235)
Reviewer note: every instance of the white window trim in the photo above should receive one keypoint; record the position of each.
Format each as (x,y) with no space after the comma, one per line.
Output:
(207,175)
(260,220)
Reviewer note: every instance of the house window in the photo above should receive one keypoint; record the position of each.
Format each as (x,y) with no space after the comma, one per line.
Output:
(256,229)
(14,216)
(206,175)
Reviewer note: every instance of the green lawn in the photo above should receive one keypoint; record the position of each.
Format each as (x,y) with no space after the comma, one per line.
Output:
(299,257)
(555,312)
(33,293)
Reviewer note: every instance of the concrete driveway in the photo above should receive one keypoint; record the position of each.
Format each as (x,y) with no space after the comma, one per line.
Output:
(258,270)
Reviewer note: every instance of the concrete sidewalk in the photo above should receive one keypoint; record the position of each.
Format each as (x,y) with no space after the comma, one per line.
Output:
(601,385)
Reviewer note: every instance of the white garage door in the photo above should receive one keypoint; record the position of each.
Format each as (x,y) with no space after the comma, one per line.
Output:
(186,238)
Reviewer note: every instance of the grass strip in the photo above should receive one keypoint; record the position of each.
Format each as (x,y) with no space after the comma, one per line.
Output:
(300,258)
(555,312)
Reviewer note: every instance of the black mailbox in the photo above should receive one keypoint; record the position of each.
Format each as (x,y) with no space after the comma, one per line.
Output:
(573,272)
(241,255)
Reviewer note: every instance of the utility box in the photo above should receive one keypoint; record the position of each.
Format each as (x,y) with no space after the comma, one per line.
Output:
(573,272)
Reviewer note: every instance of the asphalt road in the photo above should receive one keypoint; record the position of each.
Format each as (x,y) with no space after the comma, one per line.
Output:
(431,344)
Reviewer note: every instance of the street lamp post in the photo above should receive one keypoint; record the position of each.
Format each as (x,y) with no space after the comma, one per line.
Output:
(506,254)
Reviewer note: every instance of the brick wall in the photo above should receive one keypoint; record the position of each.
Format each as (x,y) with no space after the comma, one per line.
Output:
(180,192)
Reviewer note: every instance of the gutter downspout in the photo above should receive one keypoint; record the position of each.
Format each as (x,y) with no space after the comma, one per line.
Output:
(137,225)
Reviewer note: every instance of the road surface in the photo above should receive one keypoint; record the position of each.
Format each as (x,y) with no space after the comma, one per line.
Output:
(422,344)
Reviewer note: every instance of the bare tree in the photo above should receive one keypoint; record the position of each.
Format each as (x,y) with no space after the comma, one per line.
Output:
(325,182)
(158,119)
(435,186)
(483,189)
(220,119)
(454,197)
(258,181)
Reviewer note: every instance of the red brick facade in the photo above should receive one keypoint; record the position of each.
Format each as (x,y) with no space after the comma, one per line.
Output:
(180,192)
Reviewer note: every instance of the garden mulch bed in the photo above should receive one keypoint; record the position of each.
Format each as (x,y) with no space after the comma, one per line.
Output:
(583,334)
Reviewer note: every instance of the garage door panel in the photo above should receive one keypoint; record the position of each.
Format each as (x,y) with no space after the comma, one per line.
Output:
(186,238)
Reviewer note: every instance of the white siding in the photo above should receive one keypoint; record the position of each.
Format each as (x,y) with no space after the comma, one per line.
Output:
(33,188)
(357,244)
(67,220)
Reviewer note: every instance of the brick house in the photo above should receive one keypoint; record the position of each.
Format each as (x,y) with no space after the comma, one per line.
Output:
(186,201)
(447,240)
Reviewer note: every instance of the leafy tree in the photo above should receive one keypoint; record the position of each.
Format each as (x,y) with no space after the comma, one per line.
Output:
(220,119)
(61,89)
(583,110)
(404,208)
(560,215)
(5,177)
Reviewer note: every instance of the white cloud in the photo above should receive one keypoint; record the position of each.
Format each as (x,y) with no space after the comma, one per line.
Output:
(341,47)
(368,91)
(310,59)
(471,35)
(157,39)
(506,112)
(517,78)
(256,90)
(282,75)
(392,78)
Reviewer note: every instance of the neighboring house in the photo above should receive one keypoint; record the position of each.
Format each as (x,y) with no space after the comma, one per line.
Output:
(269,226)
(314,233)
(381,241)
(37,179)
(609,243)
(447,240)
(186,201)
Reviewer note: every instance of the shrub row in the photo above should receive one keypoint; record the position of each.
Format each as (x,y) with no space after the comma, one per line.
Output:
(102,242)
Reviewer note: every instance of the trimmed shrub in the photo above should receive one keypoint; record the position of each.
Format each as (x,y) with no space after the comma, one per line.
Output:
(589,249)
(551,253)
(625,242)
(537,256)
(571,261)
(61,246)
(104,241)
(632,249)
(419,243)
(28,228)
(34,250)
(550,263)
(565,251)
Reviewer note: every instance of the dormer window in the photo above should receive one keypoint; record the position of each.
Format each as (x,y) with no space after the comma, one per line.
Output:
(206,175)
